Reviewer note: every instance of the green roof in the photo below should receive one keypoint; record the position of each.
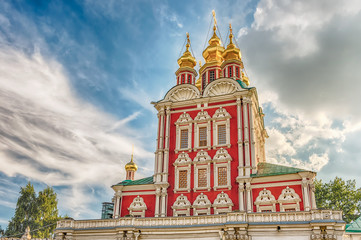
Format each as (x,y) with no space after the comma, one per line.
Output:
(269,169)
(142,181)
(243,85)
(355,226)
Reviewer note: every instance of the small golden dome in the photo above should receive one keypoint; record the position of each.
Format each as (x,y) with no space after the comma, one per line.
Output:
(231,52)
(187,60)
(131,166)
(214,51)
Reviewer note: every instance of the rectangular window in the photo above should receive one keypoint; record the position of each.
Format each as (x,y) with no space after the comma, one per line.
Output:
(183,179)
(203,136)
(189,79)
(183,78)
(202,177)
(237,72)
(266,211)
(184,138)
(222,176)
(230,72)
(212,75)
(204,81)
(222,134)
(290,209)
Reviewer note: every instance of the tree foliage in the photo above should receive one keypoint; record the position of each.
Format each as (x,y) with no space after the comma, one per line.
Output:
(37,212)
(339,195)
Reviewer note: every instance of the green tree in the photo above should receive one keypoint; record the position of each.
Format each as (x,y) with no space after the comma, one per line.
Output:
(25,213)
(40,213)
(339,195)
(48,213)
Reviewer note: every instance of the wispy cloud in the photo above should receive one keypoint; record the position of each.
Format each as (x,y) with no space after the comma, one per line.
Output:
(50,135)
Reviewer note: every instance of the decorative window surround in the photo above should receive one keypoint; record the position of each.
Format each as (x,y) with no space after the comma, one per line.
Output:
(183,162)
(137,207)
(220,117)
(181,206)
(202,161)
(289,200)
(201,205)
(222,159)
(202,120)
(265,201)
(222,204)
(184,122)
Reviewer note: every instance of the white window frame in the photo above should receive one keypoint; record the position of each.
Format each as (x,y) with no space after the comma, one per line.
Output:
(181,207)
(197,167)
(184,122)
(289,199)
(202,120)
(202,161)
(222,159)
(222,204)
(137,210)
(176,185)
(221,117)
(204,208)
(262,203)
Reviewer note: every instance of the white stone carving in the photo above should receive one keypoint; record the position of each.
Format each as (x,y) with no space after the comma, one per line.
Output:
(222,204)
(221,113)
(221,87)
(265,201)
(184,118)
(137,207)
(182,160)
(201,205)
(202,157)
(183,93)
(222,155)
(181,206)
(289,200)
(202,116)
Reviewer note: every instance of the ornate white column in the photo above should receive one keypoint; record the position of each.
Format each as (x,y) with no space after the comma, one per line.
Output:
(166,147)
(157,201)
(241,196)
(240,140)
(306,202)
(163,207)
(160,147)
(246,136)
(313,198)
(252,140)
(117,205)
(249,197)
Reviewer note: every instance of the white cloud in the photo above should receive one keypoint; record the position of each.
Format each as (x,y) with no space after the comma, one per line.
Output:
(49,135)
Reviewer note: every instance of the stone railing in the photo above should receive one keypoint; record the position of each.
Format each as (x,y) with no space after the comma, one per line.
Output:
(239,217)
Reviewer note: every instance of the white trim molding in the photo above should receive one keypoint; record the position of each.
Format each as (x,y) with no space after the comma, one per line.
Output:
(221,117)
(289,200)
(265,201)
(201,205)
(222,159)
(202,161)
(183,162)
(137,207)
(222,204)
(181,206)
(202,120)
(184,122)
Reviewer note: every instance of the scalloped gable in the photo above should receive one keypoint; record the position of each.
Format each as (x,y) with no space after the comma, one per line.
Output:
(182,92)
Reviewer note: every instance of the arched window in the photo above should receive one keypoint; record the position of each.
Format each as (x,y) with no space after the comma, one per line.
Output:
(137,207)
(230,72)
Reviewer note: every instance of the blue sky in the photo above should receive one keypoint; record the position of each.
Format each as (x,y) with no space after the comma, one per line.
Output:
(77,79)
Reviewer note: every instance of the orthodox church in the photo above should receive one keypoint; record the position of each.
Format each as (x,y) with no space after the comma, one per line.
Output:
(211,178)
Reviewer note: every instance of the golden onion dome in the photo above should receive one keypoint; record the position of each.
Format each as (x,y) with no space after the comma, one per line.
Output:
(231,52)
(214,50)
(187,60)
(245,79)
(131,166)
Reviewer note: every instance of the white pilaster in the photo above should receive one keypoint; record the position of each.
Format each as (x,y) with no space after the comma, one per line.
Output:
(166,147)
(249,197)
(241,196)
(313,198)
(163,202)
(240,140)
(157,202)
(117,205)
(246,136)
(160,147)
(306,202)
(252,140)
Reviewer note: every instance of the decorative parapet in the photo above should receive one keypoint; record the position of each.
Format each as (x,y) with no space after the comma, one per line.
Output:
(312,216)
